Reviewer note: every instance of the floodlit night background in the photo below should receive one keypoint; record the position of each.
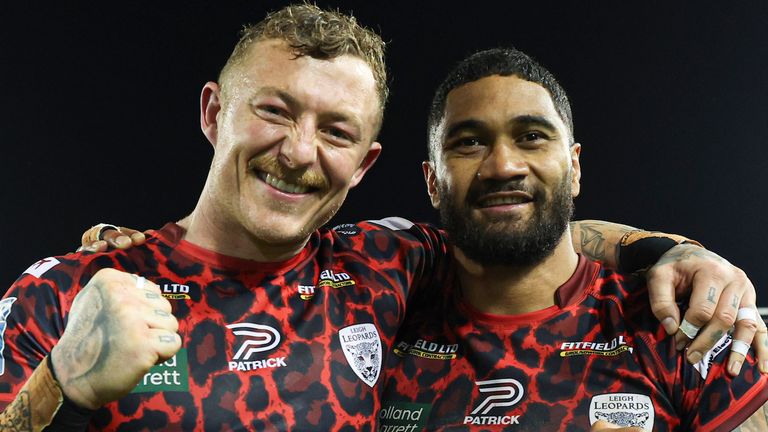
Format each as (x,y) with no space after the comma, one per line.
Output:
(99,112)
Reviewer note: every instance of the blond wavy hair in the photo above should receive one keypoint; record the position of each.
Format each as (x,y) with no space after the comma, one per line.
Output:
(321,34)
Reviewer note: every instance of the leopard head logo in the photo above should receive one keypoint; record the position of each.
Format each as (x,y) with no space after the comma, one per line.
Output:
(365,356)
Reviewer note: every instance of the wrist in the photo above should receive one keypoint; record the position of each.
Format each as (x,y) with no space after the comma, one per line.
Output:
(639,250)
(70,393)
(70,416)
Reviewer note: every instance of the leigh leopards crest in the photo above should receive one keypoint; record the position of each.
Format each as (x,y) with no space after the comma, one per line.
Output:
(362,348)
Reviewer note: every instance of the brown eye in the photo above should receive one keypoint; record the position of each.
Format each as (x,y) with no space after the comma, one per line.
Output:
(469,142)
(533,136)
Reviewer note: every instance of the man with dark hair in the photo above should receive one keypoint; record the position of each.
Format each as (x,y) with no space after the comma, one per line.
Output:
(531,335)
(255,316)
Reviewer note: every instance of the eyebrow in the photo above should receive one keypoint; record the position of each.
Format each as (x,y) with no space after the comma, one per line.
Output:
(521,120)
(534,120)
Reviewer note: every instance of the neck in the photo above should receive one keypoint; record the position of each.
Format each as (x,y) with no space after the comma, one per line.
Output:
(211,230)
(512,290)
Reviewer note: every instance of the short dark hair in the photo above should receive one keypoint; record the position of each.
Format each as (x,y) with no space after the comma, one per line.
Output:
(496,61)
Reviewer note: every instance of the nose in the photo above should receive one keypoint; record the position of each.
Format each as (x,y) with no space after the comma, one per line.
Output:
(504,160)
(299,148)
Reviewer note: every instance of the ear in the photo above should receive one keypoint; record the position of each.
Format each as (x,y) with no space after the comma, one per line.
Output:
(575,169)
(210,105)
(431,179)
(370,158)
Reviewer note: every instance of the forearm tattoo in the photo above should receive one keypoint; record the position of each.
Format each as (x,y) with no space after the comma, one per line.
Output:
(35,405)
(17,415)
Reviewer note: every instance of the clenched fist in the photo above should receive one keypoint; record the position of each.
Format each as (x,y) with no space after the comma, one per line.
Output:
(119,327)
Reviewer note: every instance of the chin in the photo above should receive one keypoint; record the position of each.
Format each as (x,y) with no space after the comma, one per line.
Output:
(279,234)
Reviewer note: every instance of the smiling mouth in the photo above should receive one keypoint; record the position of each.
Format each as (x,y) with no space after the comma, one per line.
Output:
(504,200)
(282,185)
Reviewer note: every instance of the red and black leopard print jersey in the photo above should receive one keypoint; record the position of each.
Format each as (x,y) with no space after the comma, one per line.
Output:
(598,354)
(296,345)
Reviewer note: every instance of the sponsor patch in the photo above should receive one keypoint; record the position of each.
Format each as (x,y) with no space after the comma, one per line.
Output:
(335,279)
(306,292)
(174,291)
(403,417)
(171,376)
(622,409)
(37,269)
(347,229)
(706,361)
(255,338)
(426,349)
(608,349)
(505,392)
(5,310)
(362,348)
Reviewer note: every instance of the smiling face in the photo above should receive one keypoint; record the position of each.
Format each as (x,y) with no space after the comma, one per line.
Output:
(291,136)
(506,174)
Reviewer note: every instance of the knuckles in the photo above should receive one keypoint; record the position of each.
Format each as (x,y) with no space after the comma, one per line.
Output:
(748,325)
(701,313)
(726,316)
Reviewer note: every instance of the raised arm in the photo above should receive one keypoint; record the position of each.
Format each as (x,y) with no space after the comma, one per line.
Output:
(116,316)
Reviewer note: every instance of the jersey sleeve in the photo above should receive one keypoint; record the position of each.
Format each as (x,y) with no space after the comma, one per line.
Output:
(423,251)
(700,397)
(715,401)
(32,319)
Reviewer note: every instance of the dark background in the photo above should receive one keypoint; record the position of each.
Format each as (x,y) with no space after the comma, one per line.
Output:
(99,112)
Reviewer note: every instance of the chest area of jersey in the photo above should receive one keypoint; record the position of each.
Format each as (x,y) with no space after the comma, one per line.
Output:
(532,378)
(269,353)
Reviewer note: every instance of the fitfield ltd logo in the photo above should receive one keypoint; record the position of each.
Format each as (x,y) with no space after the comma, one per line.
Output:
(607,349)
(504,392)
(427,349)
(174,291)
(256,338)
(306,292)
(335,279)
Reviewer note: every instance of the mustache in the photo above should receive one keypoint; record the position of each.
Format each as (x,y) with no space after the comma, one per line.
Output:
(303,177)
(485,187)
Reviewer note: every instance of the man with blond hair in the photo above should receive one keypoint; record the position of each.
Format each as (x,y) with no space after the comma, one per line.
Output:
(248,314)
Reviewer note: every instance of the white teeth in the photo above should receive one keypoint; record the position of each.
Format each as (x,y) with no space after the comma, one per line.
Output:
(283,186)
(504,200)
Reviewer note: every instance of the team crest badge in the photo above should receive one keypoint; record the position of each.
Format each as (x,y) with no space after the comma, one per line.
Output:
(622,409)
(5,310)
(362,348)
